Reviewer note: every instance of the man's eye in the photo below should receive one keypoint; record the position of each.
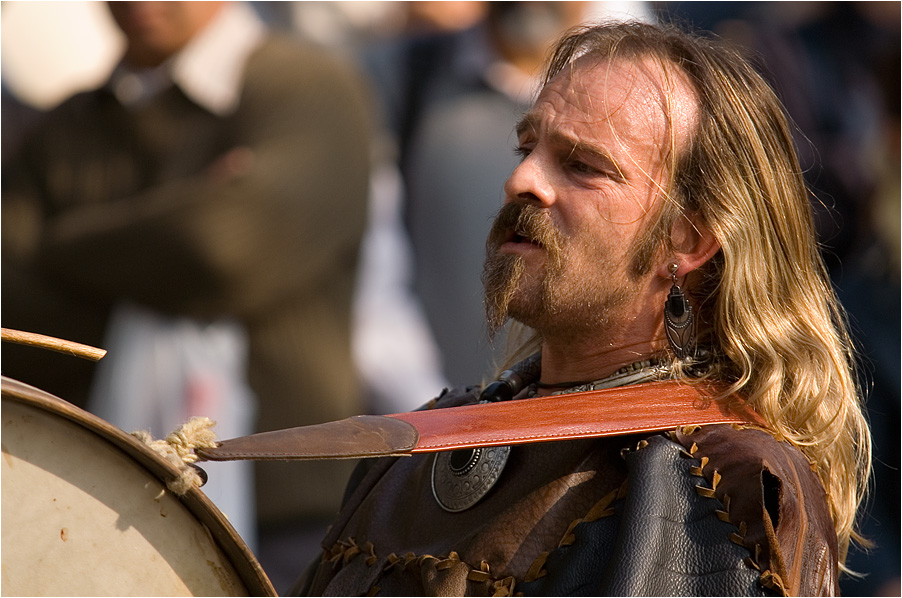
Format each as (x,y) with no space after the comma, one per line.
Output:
(522,152)
(582,167)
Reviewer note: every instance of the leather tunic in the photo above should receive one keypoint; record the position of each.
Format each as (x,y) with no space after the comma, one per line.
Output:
(719,510)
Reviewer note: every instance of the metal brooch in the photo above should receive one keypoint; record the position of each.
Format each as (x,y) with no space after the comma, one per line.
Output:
(461,478)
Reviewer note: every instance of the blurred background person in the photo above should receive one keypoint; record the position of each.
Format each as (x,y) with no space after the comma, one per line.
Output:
(200,216)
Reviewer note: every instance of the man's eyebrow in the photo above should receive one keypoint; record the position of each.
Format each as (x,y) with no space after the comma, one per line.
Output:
(528,121)
(532,122)
(582,147)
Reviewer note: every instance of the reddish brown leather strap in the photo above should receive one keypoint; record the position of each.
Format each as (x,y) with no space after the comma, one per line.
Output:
(641,408)
(652,407)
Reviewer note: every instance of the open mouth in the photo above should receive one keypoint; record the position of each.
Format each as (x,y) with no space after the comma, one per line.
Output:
(516,237)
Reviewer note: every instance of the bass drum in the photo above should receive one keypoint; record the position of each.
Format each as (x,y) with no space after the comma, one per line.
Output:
(86,512)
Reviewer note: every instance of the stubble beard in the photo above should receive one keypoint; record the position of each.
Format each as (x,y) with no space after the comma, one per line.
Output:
(563,299)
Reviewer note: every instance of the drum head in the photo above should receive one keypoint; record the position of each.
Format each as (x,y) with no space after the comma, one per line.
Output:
(86,512)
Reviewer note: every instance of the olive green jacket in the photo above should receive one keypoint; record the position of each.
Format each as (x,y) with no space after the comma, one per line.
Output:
(104,204)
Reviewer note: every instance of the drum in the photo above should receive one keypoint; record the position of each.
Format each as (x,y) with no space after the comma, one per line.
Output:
(86,512)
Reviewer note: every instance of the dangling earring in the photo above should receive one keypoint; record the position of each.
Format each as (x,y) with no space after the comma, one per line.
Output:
(679,321)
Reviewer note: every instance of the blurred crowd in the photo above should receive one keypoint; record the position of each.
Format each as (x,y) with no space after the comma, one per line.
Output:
(271,213)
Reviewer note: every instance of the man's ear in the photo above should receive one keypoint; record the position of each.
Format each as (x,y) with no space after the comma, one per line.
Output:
(693,245)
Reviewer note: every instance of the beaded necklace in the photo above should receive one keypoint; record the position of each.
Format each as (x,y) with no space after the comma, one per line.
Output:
(634,373)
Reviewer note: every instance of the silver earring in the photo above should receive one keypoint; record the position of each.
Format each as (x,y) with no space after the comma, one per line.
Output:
(679,321)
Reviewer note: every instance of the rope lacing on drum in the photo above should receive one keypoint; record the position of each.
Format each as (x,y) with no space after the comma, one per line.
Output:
(178,450)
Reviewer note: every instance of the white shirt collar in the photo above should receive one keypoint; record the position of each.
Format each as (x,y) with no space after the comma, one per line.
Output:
(209,69)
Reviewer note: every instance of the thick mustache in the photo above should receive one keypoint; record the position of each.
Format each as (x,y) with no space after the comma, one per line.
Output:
(526,221)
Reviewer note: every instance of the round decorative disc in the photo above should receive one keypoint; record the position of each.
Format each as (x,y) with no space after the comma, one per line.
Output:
(461,478)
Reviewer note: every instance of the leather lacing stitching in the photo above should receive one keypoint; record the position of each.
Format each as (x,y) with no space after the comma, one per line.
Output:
(767,578)
(599,510)
(345,550)
(482,574)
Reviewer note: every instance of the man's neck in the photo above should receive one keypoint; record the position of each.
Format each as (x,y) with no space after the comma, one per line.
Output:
(579,361)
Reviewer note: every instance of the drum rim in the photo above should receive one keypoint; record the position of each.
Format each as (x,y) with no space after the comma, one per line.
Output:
(224,535)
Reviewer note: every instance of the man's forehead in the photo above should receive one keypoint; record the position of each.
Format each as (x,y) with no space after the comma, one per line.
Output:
(636,92)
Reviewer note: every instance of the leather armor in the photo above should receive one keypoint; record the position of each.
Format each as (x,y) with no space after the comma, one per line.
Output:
(718,510)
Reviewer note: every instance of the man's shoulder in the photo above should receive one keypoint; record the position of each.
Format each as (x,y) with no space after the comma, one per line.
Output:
(87,101)
(73,119)
(286,70)
(284,51)
(772,493)
(720,507)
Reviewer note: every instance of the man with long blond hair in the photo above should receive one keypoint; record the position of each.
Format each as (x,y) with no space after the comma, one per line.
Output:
(655,242)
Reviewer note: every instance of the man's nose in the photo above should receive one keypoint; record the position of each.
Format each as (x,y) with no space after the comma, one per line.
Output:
(530,182)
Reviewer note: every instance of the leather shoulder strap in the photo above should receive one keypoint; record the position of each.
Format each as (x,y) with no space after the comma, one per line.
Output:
(649,408)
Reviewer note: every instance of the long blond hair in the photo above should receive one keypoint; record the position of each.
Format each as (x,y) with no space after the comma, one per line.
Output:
(775,330)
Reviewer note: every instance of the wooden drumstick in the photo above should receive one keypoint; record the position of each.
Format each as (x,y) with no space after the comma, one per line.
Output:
(55,344)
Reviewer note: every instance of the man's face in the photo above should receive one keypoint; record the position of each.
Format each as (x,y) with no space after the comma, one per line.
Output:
(157,30)
(596,149)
